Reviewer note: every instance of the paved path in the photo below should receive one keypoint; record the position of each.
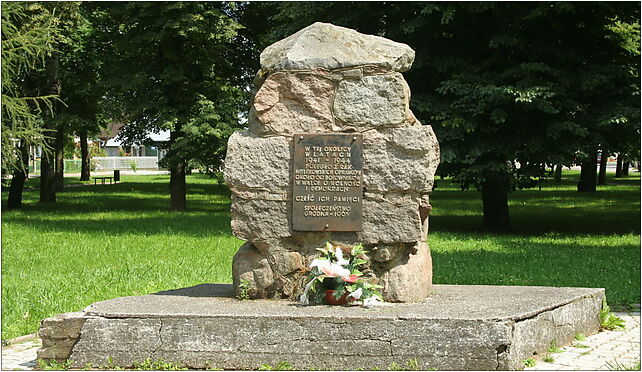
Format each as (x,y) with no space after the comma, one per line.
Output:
(607,350)
(21,356)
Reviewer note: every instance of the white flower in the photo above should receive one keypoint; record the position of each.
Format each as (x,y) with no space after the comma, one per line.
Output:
(340,260)
(320,263)
(356,294)
(331,270)
(371,302)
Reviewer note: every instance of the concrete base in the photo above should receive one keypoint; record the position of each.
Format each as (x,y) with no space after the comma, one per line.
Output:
(457,327)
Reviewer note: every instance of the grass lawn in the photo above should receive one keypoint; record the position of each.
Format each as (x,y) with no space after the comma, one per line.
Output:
(101,242)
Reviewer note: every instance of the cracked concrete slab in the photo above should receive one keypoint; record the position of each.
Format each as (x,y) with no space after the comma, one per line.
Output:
(457,327)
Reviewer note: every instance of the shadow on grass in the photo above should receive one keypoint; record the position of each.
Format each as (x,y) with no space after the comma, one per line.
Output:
(199,225)
(613,210)
(128,208)
(609,211)
(511,260)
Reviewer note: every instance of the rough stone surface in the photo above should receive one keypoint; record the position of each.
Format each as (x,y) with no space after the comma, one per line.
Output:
(323,45)
(391,217)
(561,324)
(289,103)
(260,219)
(373,101)
(411,279)
(249,155)
(59,334)
(328,79)
(400,159)
(458,327)
(251,273)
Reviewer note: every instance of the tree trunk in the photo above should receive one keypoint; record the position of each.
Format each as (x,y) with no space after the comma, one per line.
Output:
(625,168)
(601,178)
(495,202)
(177,187)
(85,158)
(47,176)
(558,173)
(59,150)
(588,175)
(14,200)
(177,184)
(618,166)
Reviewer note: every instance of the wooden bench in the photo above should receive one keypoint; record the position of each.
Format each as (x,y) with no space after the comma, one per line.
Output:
(103,179)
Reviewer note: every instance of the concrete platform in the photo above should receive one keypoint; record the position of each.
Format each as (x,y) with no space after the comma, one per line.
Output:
(458,327)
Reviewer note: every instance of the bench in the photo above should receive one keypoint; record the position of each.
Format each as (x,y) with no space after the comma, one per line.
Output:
(103,179)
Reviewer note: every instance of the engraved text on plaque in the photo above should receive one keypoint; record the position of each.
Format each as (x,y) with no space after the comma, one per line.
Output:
(327,186)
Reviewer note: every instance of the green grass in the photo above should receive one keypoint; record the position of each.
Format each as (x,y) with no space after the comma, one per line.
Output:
(101,242)
(559,238)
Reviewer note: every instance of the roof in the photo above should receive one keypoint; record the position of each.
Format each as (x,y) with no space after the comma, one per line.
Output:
(162,136)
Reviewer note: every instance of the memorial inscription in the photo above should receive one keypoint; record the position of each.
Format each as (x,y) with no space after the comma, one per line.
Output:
(327,187)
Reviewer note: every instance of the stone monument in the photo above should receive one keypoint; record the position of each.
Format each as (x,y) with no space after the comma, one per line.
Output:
(332,153)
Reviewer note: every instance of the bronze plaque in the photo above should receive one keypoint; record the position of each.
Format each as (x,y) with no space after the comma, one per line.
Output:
(327,182)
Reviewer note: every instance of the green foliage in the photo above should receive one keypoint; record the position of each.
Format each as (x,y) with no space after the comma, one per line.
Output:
(157,365)
(580,336)
(617,366)
(548,358)
(530,362)
(175,72)
(608,320)
(133,165)
(410,365)
(29,33)
(339,269)
(580,346)
(245,287)
(504,84)
(110,365)
(553,348)
(53,365)
(280,366)
(83,86)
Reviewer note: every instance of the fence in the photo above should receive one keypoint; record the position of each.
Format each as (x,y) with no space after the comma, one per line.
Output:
(125,162)
(104,163)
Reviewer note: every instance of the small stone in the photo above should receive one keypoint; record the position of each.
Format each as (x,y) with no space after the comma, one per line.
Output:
(289,103)
(251,272)
(381,254)
(284,262)
(372,101)
(324,45)
(411,279)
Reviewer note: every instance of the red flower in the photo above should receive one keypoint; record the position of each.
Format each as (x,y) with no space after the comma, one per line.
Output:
(351,279)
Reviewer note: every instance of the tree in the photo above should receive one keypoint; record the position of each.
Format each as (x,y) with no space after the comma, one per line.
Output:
(507,87)
(174,72)
(66,15)
(29,32)
(84,90)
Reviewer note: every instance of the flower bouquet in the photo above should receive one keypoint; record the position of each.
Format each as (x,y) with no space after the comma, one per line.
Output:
(335,279)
